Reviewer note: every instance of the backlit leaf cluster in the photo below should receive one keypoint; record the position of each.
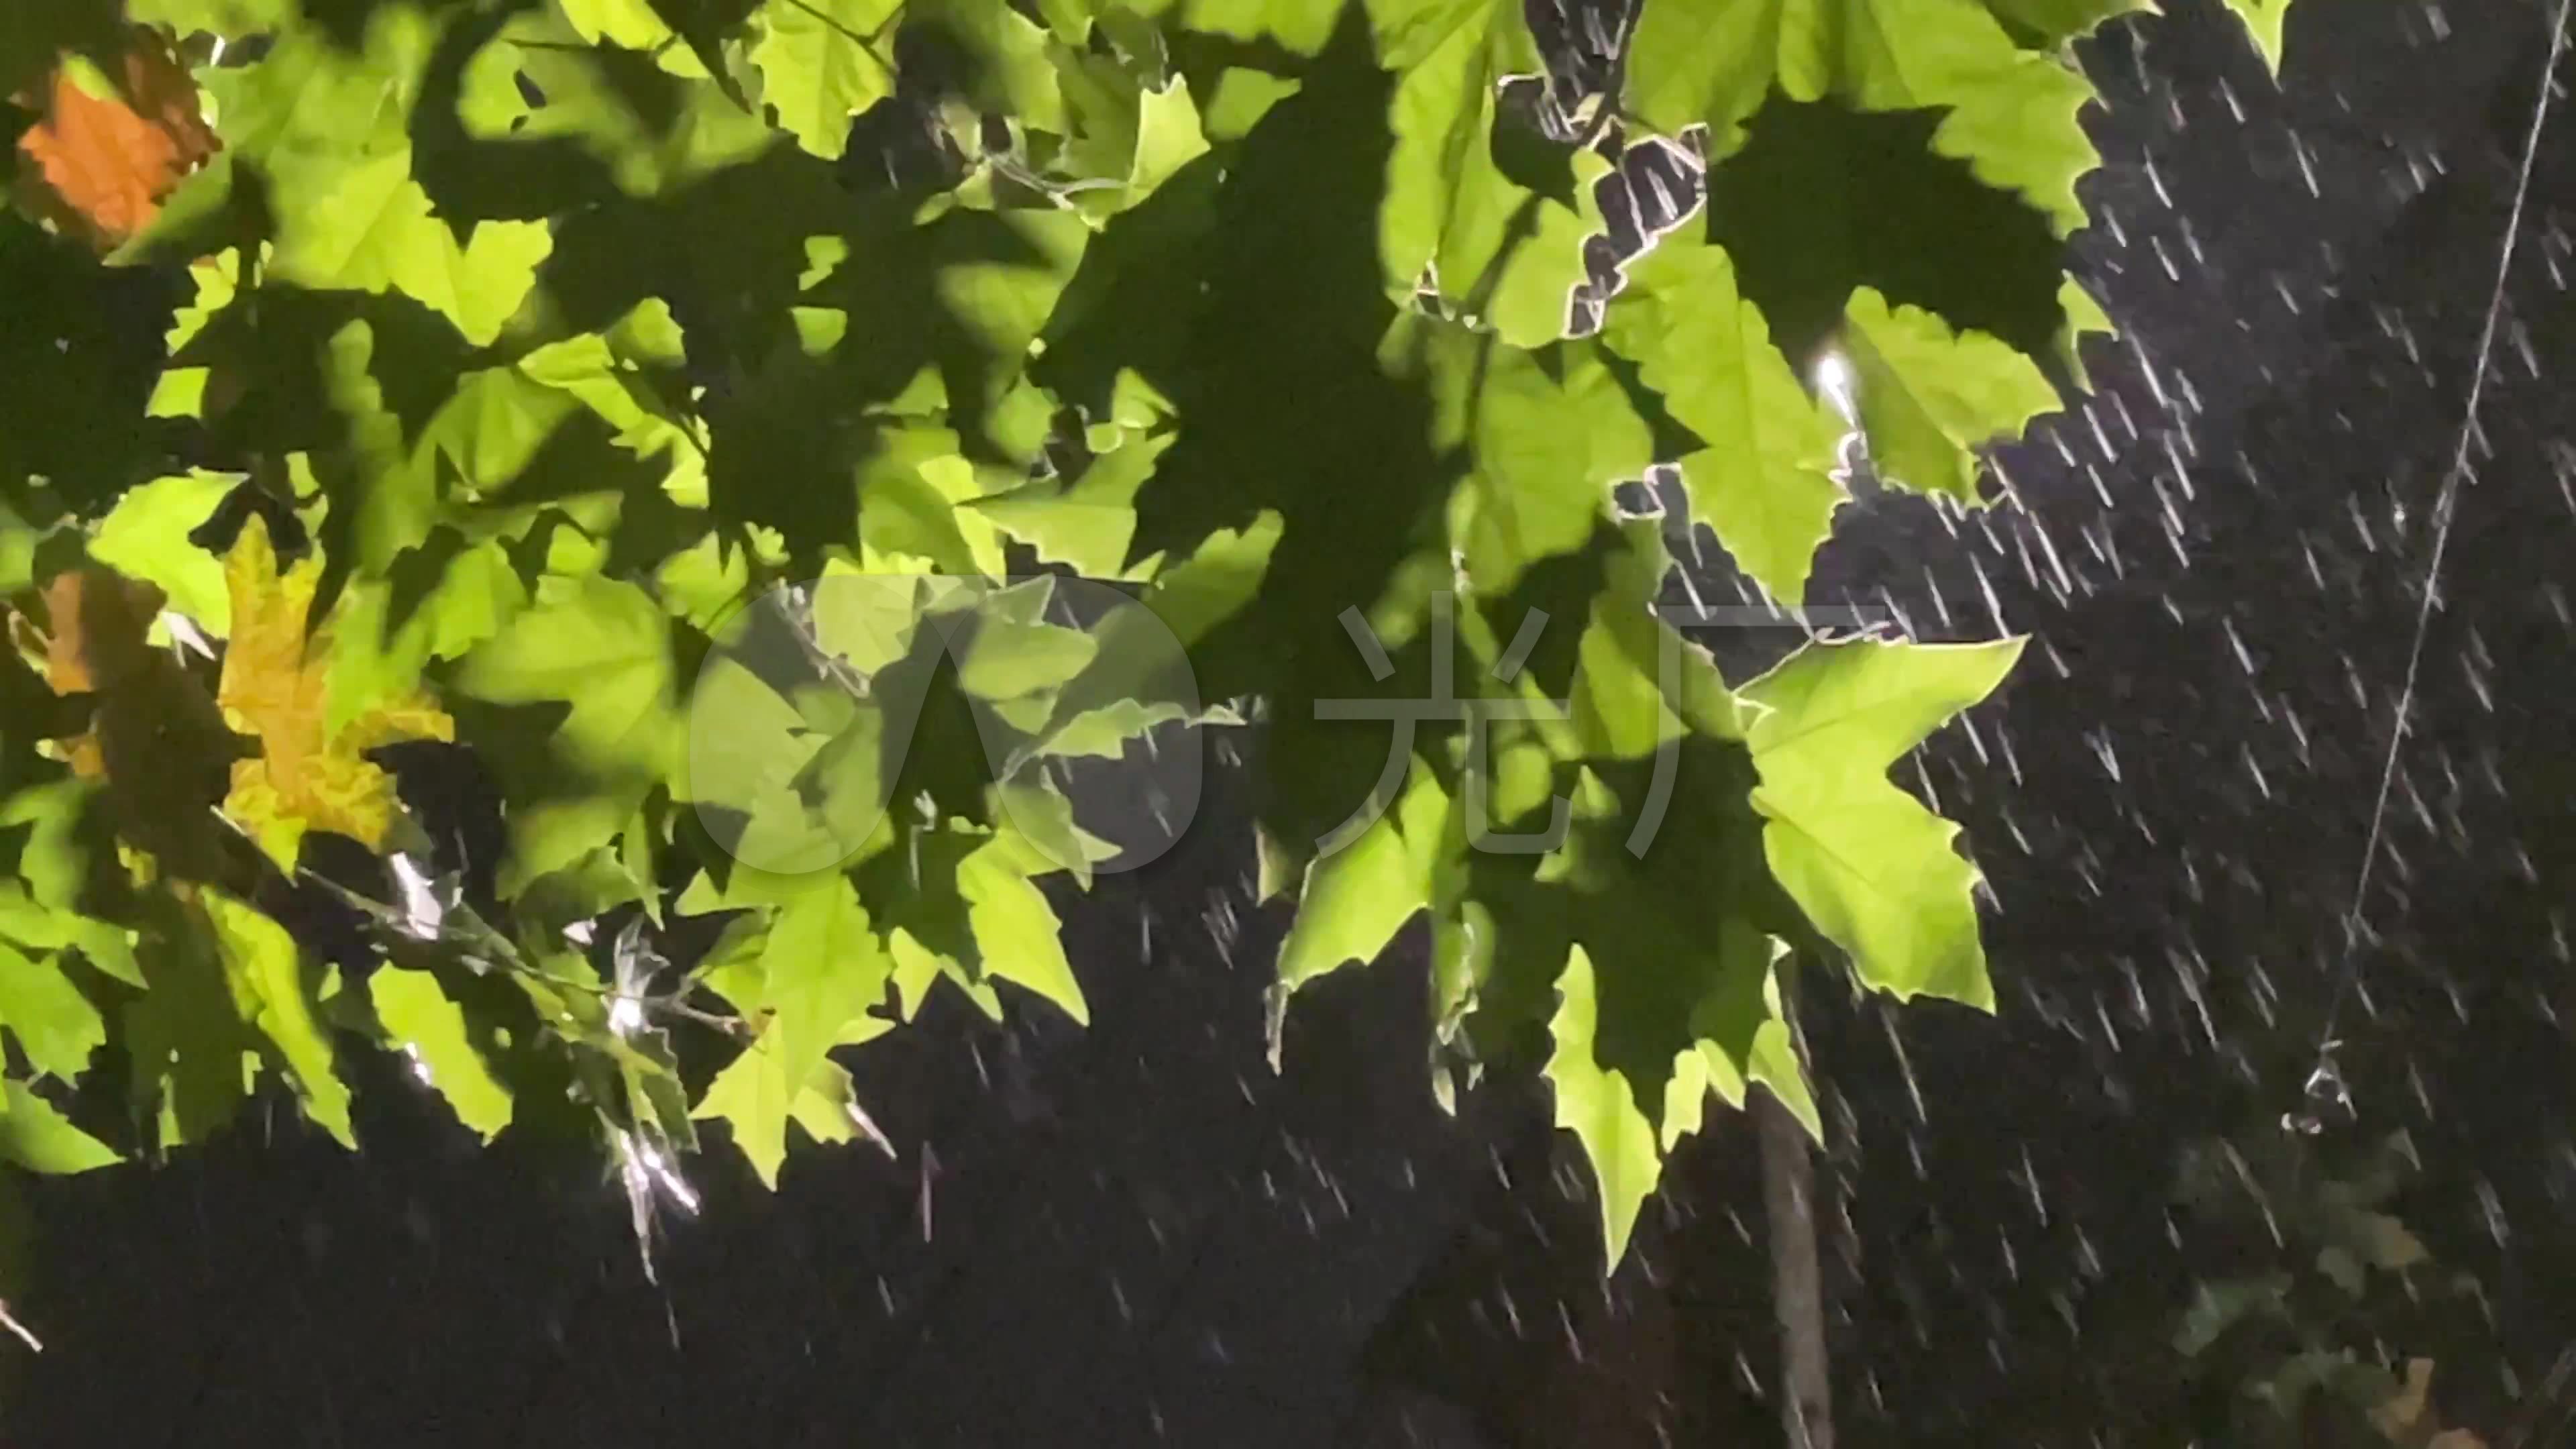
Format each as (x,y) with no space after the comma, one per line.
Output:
(514,367)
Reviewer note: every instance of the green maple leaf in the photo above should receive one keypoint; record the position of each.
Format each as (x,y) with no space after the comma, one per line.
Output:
(367,226)
(326,126)
(1869,865)
(1762,479)
(43,916)
(1242,96)
(1742,1038)
(56,1027)
(750,740)
(421,591)
(419,1017)
(1087,523)
(146,537)
(1017,935)
(2009,113)
(35,1135)
(489,431)
(601,647)
(625,375)
(821,63)
(821,968)
(999,275)
(1547,449)
(375,656)
(1356,898)
(1928,396)
(1006,658)
(1595,1105)
(214,282)
(267,982)
(1451,212)
(1169,135)
(313,98)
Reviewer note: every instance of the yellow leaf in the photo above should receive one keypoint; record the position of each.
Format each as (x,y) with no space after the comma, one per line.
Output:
(306,775)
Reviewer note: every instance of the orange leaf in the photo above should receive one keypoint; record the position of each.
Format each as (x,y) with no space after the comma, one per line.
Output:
(96,620)
(154,736)
(92,643)
(102,167)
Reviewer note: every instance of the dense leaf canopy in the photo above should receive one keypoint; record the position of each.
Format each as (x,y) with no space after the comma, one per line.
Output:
(791,442)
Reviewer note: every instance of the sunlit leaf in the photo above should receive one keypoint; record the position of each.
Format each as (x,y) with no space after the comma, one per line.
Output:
(267,984)
(601,647)
(1595,1106)
(146,537)
(820,969)
(430,1028)
(35,1136)
(1763,482)
(372,230)
(1451,210)
(1872,868)
(1929,396)
(1548,449)
(55,1026)
(822,62)
(1016,931)
(1356,898)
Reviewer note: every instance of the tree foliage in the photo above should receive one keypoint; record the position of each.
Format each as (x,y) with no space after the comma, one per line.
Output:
(537,366)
